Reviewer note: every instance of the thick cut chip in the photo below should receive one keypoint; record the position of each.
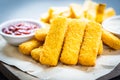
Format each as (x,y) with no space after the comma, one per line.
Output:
(45,18)
(109,12)
(94,11)
(100,12)
(90,9)
(58,11)
(76,11)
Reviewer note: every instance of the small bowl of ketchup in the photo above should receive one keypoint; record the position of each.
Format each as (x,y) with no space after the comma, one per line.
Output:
(18,31)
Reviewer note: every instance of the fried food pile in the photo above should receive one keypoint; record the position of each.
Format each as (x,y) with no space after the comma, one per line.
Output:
(71,39)
(89,10)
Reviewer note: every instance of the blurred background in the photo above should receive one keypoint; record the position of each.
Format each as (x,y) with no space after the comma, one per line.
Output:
(11,9)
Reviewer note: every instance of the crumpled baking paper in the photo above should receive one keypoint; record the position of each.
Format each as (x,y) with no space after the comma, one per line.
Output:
(104,64)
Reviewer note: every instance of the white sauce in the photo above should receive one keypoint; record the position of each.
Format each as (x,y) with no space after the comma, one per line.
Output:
(112,25)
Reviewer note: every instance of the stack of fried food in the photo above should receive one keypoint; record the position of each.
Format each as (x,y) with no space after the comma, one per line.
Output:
(69,40)
(90,10)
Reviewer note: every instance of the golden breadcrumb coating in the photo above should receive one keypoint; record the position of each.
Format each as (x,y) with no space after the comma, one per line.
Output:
(73,42)
(54,41)
(90,45)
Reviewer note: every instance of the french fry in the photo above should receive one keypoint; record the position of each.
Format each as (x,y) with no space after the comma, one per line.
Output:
(45,18)
(109,12)
(58,11)
(73,42)
(90,9)
(53,42)
(90,45)
(76,11)
(100,12)
(110,39)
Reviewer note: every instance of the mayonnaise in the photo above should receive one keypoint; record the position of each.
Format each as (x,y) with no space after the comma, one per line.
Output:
(112,25)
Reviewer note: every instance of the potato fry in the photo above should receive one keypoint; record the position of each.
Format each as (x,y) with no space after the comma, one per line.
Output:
(58,11)
(45,18)
(90,9)
(28,46)
(100,12)
(53,42)
(94,11)
(110,39)
(76,11)
(109,12)
(90,45)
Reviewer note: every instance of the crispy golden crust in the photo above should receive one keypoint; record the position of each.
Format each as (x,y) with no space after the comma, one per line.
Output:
(90,45)
(73,42)
(110,40)
(28,46)
(100,50)
(35,53)
(54,40)
(41,33)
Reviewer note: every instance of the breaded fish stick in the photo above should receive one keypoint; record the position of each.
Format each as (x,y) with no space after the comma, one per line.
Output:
(41,33)
(35,53)
(100,50)
(28,46)
(53,42)
(110,40)
(73,42)
(90,45)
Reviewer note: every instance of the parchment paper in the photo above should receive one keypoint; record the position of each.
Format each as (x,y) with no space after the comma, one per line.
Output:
(104,64)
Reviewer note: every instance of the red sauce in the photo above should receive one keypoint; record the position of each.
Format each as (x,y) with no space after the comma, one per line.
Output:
(20,29)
